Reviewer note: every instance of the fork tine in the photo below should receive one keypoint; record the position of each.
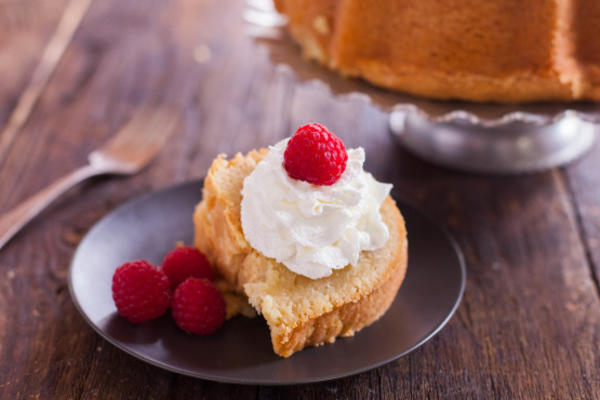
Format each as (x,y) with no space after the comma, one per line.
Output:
(141,138)
(149,126)
(161,123)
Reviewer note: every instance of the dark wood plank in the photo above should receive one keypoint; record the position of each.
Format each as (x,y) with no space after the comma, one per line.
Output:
(126,54)
(49,350)
(530,321)
(529,293)
(70,19)
(25,26)
(583,182)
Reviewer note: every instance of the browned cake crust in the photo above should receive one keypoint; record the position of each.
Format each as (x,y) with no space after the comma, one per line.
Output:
(587,44)
(343,320)
(300,311)
(500,51)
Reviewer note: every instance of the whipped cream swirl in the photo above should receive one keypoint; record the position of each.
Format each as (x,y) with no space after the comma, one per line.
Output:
(311,229)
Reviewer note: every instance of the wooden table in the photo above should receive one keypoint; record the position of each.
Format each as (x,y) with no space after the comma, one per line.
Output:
(529,324)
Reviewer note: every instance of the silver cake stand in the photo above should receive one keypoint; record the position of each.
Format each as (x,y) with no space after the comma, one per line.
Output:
(476,137)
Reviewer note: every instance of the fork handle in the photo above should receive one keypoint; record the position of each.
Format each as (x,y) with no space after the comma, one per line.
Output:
(17,218)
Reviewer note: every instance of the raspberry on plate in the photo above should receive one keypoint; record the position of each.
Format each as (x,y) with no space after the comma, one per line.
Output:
(140,291)
(198,307)
(183,263)
(315,155)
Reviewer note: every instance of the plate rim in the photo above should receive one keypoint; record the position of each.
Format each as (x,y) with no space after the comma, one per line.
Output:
(222,379)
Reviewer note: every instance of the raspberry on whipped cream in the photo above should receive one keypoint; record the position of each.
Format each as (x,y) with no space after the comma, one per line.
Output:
(312,229)
(315,155)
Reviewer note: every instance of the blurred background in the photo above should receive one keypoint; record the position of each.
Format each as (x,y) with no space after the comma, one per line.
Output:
(529,324)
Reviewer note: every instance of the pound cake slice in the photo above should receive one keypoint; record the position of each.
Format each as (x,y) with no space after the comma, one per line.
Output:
(299,311)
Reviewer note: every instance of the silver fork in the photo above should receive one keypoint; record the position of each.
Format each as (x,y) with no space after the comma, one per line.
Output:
(126,153)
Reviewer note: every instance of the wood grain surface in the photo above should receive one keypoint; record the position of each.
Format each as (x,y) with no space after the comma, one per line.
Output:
(529,324)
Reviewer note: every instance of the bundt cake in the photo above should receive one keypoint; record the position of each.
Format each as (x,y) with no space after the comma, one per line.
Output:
(496,50)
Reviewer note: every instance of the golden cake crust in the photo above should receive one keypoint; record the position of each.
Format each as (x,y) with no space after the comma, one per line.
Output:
(300,311)
(498,51)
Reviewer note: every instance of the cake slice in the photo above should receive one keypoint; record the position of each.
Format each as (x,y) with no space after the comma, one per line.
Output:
(299,311)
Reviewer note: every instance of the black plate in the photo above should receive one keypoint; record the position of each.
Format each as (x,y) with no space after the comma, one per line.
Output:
(241,352)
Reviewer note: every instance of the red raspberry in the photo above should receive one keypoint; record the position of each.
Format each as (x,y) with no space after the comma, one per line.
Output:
(185,262)
(198,307)
(140,291)
(315,155)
